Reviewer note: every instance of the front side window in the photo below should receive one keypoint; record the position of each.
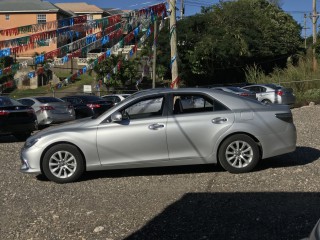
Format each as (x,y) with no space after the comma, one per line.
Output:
(146,108)
(42,18)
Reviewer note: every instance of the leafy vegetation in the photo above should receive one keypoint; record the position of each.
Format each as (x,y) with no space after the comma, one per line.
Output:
(230,42)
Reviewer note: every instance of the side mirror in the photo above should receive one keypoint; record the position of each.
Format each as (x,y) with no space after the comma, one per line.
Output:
(116,117)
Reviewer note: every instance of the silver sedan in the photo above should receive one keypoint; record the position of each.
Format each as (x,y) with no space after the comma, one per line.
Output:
(49,109)
(152,128)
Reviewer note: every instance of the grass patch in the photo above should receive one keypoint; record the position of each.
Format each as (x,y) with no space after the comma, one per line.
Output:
(84,79)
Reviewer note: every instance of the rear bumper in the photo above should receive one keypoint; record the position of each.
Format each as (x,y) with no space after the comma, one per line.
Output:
(19,128)
(49,118)
(280,143)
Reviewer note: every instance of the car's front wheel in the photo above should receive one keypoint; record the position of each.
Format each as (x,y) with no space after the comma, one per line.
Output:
(63,163)
(238,154)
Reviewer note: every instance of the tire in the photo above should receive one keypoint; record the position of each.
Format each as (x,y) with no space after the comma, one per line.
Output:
(239,154)
(22,136)
(266,101)
(63,163)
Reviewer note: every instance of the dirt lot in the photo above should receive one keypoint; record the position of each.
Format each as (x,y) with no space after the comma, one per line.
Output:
(279,200)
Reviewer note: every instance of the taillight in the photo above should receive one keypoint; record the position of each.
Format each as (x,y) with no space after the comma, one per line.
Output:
(287,117)
(244,94)
(31,111)
(92,105)
(4,113)
(279,93)
(46,108)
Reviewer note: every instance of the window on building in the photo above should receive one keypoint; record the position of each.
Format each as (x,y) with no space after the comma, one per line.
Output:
(42,18)
(89,17)
(7,17)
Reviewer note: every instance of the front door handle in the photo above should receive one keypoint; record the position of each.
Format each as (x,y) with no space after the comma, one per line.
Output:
(219,120)
(156,126)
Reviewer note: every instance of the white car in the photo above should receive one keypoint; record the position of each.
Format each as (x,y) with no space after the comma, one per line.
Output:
(115,98)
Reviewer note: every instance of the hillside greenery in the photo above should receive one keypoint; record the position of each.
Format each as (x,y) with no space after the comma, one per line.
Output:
(232,42)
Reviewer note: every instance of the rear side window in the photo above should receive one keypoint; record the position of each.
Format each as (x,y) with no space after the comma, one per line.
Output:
(195,103)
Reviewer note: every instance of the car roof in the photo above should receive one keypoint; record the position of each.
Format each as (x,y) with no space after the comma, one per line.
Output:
(269,85)
(82,96)
(170,90)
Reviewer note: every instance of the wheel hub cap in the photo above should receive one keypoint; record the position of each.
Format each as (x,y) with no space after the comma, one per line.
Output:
(239,154)
(62,164)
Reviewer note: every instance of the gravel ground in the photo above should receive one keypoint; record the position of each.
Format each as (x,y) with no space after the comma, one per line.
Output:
(279,200)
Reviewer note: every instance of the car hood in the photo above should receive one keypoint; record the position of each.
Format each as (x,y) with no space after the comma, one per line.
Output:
(64,127)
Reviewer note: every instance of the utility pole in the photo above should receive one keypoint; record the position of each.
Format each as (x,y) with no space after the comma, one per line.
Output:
(173,44)
(314,33)
(182,9)
(305,30)
(154,62)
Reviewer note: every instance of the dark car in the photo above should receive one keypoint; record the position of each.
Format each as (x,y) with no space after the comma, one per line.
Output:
(16,119)
(88,105)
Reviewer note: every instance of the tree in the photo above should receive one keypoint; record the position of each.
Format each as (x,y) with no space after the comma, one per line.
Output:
(4,63)
(120,72)
(218,44)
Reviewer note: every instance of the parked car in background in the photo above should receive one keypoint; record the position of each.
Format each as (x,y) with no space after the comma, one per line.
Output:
(16,119)
(115,98)
(88,105)
(49,110)
(152,128)
(239,91)
(272,93)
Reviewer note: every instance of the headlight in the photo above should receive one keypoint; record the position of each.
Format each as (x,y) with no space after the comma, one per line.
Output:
(30,142)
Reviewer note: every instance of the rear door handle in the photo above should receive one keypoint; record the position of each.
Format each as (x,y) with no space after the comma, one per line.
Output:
(156,126)
(219,120)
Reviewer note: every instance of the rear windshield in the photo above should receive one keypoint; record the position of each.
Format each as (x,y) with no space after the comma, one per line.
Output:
(5,101)
(273,86)
(48,99)
(92,98)
(236,89)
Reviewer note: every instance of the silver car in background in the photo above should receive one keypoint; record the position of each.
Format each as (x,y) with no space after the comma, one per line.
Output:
(49,109)
(272,93)
(153,128)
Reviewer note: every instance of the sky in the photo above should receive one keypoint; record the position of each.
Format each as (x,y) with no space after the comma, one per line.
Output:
(296,8)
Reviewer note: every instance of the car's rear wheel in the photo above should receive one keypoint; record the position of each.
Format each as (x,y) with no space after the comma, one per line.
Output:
(238,154)
(63,163)
(266,101)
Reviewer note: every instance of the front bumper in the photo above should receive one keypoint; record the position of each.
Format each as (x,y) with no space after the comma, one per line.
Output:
(27,165)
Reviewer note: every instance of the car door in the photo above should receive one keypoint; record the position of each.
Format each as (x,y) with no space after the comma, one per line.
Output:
(139,138)
(192,133)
